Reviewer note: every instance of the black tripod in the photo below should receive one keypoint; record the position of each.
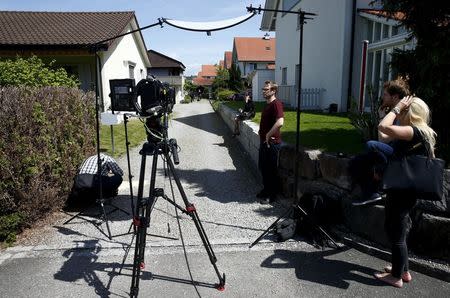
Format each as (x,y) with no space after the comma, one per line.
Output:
(144,206)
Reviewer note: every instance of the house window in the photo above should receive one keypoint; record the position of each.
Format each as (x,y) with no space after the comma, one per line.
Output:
(284,76)
(385,31)
(377,32)
(369,30)
(396,30)
(131,71)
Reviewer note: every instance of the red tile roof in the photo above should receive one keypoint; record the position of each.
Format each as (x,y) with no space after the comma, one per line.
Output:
(228,59)
(26,28)
(255,49)
(199,81)
(208,70)
(398,16)
(158,60)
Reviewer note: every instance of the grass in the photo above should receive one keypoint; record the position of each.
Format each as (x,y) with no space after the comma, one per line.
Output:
(329,133)
(136,135)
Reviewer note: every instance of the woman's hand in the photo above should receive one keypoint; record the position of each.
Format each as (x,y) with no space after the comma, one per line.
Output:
(405,103)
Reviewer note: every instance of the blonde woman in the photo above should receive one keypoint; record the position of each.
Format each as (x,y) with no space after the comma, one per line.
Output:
(411,135)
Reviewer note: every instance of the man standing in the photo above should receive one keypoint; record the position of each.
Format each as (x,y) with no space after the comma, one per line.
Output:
(272,119)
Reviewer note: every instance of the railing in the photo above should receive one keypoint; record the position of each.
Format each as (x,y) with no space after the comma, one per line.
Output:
(310,100)
(172,80)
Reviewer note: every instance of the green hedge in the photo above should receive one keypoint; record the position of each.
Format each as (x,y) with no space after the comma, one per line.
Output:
(224,94)
(45,133)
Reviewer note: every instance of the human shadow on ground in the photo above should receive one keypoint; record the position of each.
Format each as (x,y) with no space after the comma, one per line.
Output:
(316,267)
(82,264)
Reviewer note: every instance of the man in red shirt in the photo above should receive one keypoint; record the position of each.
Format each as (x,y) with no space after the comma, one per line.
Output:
(272,119)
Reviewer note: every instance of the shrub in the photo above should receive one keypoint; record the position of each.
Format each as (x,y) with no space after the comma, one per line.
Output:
(33,72)
(366,123)
(45,133)
(224,94)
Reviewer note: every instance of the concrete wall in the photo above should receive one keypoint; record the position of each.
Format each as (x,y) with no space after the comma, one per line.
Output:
(325,174)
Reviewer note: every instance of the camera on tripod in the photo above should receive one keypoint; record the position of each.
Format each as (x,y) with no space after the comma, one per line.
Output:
(148,98)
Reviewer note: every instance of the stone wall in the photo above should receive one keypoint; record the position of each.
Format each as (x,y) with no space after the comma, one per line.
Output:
(326,174)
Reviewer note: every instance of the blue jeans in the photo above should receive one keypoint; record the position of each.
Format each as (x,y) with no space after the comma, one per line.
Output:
(384,150)
(383,153)
(363,166)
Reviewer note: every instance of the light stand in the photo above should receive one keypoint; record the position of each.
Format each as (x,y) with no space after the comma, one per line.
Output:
(303,16)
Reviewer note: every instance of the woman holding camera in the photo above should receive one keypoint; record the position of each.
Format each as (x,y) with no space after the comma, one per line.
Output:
(411,135)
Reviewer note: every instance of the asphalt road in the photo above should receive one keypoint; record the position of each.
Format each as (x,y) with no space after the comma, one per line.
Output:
(78,260)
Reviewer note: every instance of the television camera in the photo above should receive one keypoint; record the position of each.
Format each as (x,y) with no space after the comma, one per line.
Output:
(148,98)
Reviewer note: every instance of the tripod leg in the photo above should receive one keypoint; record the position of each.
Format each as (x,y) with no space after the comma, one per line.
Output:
(143,210)
(270,227)
(105,217)
(194,215)
(137,221)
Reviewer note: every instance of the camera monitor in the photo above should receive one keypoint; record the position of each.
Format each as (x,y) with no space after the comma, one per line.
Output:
(122,95)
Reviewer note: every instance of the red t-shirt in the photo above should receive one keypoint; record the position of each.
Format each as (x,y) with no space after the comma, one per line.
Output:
(271,113)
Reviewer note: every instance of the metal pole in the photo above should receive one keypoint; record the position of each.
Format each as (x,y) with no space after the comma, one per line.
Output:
(112,139)
(299,100)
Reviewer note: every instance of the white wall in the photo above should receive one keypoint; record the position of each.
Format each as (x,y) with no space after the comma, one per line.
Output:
(115,63)
(258,82)
(326,48)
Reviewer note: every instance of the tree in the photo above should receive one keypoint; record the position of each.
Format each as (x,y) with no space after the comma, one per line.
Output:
(235,80)
(189,87)
(33,72)
(427,66)
(221,79)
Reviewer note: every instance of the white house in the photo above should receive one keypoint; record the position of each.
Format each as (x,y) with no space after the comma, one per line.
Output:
(169,70)
(253,53)
(67,38)
(332,43)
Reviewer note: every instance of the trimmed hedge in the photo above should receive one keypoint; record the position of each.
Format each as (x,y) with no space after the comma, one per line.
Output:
(45,133)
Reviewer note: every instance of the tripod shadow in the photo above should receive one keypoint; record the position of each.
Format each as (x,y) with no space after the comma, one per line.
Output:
(82,264)
(317,268)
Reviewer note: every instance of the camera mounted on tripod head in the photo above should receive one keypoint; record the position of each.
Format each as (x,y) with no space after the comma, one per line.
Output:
(148,98)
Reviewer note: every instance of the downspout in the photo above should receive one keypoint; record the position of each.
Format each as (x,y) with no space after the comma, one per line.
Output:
(350,73)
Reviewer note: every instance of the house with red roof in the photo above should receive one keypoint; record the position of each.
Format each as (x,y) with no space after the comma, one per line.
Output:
(205,78)
(253,53)
(67,38)
(332,50)
(227,59)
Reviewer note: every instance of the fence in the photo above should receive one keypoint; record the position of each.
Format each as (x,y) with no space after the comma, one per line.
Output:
(311,97)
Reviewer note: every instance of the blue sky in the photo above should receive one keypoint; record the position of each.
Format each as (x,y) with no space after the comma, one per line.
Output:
(191,48)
